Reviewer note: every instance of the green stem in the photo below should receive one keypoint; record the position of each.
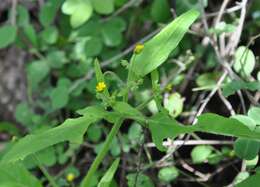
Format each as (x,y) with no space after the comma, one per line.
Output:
(45,172)
(86,181)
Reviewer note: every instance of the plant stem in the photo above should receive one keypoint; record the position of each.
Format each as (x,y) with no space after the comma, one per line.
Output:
(86,181)
(45,172)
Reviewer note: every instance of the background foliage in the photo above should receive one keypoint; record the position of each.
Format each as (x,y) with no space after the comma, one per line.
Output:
(180,73)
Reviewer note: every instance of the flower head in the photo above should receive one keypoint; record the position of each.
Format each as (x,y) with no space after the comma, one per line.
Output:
(70,177)
(138,48)
(101,86)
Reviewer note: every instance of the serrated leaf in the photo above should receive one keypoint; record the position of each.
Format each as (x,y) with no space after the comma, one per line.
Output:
(71,130)
(162,126)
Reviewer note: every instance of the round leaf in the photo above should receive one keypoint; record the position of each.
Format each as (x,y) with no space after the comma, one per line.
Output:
(7,35)
(246,149)
(168,174)
(200,153)
(244,61)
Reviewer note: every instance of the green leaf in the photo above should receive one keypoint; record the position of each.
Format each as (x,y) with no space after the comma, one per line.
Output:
(244,61)
(233,86)
(50,35)
(112,36)
(56,59)
(71,130)
(253,180)
(246,149)
(93,46)
(36,72)
(174,104)
(23,16)
(142,180)
(162,126)
(208,80)
(79,10)
(254,113)
(47,13)
(31,35)
(241,177)
(16,175)
(103,7)
(7,35)
(160,10)
(94,133)
(200,153)
(168,174)
(157,50)
(107,178)
(59,97)
(245,120)
(128,111)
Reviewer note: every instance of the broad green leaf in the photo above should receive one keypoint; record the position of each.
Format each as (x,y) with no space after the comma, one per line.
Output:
(139,180)
(93,46)
(128,111)
(231,87)
(50,35)
(174,104)
(160,10)
(56,59)
(107,178)
(162,127)
(245,120)
(253,180)
(103,7)
(36,72)
(157,50)
(79,10)
(111,35)
(47,13)
(94,133)
(254,113)
(244,61)
(241,177)
(59,97)
(200,153)
(7,35)
(246,149)
(208,80)
(16,175)
(71,130)
(168,174)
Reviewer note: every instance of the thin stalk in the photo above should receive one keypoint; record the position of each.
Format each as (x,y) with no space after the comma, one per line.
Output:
(102,153)
(45,172)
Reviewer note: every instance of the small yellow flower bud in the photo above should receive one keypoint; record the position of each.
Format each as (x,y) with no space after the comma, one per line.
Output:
(101,86)
(138,48)
(70,177)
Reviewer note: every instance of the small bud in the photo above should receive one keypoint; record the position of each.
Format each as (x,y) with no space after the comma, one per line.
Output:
(138,48)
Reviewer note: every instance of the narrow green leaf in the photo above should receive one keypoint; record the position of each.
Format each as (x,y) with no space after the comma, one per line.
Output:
(107,178)
(157,50)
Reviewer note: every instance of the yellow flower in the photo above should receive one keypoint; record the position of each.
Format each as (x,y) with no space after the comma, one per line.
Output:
(70,177)
(138,48)
(101,86)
